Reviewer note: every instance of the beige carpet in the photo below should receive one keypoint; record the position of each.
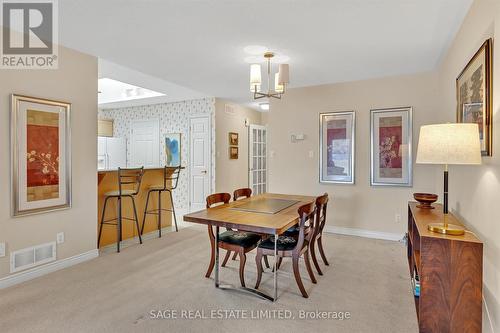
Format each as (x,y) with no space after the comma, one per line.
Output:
(117,292)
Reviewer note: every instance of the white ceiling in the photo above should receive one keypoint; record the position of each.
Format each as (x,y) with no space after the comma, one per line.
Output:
(199,44)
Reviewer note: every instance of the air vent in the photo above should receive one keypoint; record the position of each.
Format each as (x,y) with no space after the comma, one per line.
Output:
(32,256)
(230,109)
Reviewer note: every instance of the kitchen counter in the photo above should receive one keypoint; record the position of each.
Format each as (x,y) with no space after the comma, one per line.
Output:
(108,181)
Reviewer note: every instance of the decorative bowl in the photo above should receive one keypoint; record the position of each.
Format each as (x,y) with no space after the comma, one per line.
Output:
(426,200)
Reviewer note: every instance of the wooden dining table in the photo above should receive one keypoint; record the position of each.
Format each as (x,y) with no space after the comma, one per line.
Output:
(268,213)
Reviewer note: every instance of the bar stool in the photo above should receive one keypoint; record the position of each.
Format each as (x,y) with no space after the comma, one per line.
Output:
(131,180)
(170,181)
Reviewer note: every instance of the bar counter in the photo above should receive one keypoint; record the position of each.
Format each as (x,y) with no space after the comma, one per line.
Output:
(108,181)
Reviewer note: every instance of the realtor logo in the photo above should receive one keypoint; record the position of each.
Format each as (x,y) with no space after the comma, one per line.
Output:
(29,34)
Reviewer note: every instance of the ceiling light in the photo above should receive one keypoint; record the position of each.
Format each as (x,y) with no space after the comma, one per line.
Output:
(281,79)
(264,106)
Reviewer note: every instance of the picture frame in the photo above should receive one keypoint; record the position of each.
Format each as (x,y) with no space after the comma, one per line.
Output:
(337,137)
(474,95)
(233,153)
(40,155)
(173,149)
(391,158)
(233,139)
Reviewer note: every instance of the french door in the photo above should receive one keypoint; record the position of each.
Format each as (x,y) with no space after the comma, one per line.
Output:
(257,159)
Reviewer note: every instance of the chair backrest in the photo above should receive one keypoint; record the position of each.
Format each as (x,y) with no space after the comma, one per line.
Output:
(218,198)
(321,205)
(242,193)
(130,179)
(307,213)
(171,178)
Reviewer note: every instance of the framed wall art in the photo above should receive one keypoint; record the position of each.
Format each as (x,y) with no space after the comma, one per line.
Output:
(173,149)
(391,147)
(233,139)
(233,153)
(474,95)
(40,155)
(337,147)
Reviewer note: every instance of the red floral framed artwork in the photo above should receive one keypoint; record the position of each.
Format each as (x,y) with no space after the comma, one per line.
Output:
(40,153)
(391,142)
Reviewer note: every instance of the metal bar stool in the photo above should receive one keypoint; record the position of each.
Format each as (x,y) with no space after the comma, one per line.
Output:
(129,184)
(170,181)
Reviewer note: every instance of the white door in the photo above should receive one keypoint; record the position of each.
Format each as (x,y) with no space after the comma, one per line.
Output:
(199,162)
(257,159)
(145,143)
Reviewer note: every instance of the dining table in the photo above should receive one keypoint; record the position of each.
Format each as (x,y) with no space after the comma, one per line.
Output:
(268,213)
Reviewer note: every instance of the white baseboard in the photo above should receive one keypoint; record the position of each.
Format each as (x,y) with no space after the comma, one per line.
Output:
(363,233)
(35,272)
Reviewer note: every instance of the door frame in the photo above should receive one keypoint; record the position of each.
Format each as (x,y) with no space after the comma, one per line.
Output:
(211,180)
(129,164)
(250,157)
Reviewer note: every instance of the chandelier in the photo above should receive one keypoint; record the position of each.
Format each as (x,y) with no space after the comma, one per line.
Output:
(281,79)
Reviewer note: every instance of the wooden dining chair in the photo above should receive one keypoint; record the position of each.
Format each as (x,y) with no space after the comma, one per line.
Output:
(230,240)
(292,247)
(321,205)
(241,193)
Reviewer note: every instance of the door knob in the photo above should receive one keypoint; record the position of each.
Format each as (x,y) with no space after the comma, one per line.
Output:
(204,171)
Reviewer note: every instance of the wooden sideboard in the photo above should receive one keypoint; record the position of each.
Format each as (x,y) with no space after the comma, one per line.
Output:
(450,269)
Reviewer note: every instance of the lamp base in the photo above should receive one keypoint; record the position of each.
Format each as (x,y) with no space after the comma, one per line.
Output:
(446,229)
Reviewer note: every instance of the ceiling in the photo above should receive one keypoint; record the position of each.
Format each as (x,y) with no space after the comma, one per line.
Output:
(199,44)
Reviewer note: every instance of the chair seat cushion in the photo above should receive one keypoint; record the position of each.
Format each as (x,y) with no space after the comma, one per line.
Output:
(117,193)
(293,231)
(285,243)
(240,238)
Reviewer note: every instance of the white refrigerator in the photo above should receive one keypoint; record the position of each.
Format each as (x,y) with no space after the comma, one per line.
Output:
(111,153)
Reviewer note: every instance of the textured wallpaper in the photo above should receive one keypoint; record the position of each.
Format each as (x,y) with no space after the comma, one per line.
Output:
(174,118)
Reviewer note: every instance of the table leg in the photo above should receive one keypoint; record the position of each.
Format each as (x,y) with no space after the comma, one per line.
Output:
(217,256)
(275,267)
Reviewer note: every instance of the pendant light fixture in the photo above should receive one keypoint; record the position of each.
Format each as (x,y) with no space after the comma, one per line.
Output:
(281,79)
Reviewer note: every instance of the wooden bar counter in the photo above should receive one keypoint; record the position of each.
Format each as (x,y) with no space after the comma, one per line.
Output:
(108,181)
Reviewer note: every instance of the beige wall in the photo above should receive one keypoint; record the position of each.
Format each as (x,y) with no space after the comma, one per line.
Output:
(76,82)
(475,191)
(232,174)
(359,206)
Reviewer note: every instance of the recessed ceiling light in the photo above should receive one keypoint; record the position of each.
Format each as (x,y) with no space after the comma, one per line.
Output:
(255,49)
(264,106)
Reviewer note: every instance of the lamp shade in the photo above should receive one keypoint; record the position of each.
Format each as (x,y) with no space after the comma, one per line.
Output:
(279,88)
(255,75)
(283,74)
(449,144)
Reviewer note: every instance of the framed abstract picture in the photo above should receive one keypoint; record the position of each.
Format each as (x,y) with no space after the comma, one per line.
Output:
(337,147)
(173,149)
(474,95)
(40,155)
(391,147)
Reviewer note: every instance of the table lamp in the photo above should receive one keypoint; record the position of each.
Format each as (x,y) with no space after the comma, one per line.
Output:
(448,144)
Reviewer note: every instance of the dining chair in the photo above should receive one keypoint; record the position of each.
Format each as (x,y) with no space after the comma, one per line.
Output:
(129,184)
(230,240)
(241,193)
(292,247)
(321,205)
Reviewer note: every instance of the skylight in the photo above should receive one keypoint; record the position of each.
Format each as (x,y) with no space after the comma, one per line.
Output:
(111,91)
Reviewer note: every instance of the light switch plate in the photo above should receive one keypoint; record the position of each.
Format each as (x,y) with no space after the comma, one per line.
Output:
(311,153)
(60,238)
(2,249)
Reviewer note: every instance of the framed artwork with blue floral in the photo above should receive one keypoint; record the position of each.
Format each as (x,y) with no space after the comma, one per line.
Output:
(173,149)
